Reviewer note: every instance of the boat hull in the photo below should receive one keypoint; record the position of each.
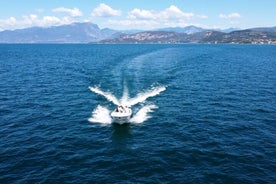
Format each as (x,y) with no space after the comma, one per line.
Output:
(121,120)
(121,117)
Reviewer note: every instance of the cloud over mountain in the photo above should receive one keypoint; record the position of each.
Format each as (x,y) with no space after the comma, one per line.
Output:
(34,20)
(74,12)
(172,12)
(104,10)
(229,16)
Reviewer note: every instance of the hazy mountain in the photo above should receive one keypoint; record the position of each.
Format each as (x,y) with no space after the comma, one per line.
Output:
(229,30)
(263,29)
(244,36)
(91,33)
(187,30)
(149,37)
(73,33)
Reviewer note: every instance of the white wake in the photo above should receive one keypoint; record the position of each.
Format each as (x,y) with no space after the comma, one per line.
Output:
(107,95)
(143,114)
(102,115)
(141,97)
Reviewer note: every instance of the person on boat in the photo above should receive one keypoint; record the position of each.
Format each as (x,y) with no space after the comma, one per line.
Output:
(120,109)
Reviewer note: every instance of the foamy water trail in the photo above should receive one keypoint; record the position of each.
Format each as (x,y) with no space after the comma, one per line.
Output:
(143,114)
(107,95)
(101,115)
(125,97)
(141,97)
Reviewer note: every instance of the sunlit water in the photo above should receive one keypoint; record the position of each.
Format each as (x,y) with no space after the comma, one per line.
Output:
(201,113)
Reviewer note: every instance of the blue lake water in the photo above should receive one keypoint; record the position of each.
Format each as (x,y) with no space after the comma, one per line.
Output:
(202,113)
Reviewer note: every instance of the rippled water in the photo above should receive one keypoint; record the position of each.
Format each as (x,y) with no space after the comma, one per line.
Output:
(214,122)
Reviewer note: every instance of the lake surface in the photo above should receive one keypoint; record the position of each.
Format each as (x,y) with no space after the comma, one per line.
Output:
(201,113)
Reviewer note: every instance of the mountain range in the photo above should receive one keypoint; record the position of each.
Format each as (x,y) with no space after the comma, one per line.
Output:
(91,33)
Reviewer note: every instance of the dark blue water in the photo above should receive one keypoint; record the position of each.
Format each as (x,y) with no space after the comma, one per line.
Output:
(214,123)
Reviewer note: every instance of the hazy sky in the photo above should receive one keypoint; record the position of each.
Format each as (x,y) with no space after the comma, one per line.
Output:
(138,14)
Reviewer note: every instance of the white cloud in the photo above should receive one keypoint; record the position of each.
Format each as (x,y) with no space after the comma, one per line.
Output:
(52,20)
(171,12)
(33,20)
(135,19)
(104,10)
(147,24)
(74,12)
(7,23)
(174,12)
(141,14)
(142,24)
(180,23)
(151,19)
(230,16)
(10,21)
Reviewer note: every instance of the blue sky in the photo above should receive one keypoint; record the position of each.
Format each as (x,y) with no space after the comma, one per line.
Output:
(140,14)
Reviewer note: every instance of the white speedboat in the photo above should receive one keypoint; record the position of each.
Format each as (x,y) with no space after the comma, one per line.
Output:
(121,114)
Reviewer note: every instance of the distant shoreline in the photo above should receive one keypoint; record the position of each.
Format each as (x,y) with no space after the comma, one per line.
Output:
(90,33)
(137,43)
